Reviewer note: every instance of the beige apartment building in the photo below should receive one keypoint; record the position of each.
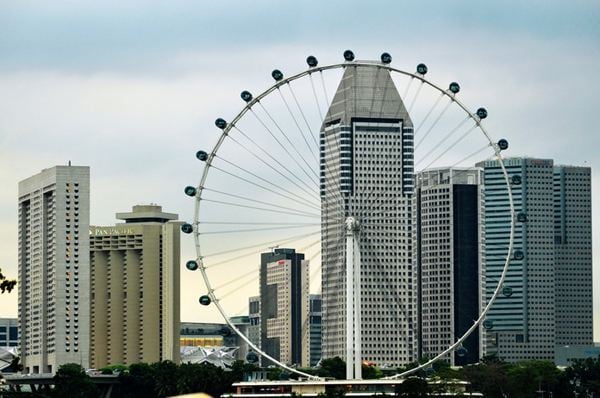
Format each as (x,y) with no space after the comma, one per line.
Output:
(134,281)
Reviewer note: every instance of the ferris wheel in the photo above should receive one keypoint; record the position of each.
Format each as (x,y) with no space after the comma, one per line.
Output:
(324,162)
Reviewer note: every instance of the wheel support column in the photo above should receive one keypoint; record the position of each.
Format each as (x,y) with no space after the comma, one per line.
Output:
(353,321)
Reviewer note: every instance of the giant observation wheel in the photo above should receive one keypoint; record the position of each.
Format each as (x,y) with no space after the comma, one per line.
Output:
(264,182)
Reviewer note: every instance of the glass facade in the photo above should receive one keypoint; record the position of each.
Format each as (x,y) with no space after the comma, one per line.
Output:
(9,332)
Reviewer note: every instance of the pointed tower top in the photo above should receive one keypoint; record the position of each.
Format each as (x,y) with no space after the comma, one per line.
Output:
(366,92)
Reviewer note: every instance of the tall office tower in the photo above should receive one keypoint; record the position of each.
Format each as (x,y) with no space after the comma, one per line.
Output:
(315,328)
(367,172)
(54,213)
(573,261)
(522,325)
(242,323)
(284,276)
(449,206)
(135,288)
(254,315)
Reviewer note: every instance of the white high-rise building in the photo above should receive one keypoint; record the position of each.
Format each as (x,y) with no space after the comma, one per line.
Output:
(54,302)
(449,258)
(367,170)
(550,272)
(521,326)
(573,257)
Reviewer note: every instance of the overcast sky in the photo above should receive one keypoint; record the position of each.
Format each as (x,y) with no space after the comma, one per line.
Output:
(129,87)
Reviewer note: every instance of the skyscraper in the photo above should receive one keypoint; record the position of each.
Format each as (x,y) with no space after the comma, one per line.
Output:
(449,260)
(315,328)
(135,288)
(551,268)
(573,256)
(366,151)
(521,326)
(254,317)
(284,276)
(54,211)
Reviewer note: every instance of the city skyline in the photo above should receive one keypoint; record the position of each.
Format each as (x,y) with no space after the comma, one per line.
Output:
(95,110)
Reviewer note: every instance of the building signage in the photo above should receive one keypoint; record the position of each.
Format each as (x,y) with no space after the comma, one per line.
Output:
(108,231)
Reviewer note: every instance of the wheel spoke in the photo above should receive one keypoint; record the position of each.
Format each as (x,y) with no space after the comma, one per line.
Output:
(435,122)
(445,138)
(263,187)
(312,150)
(238,231)
(245,275)
(261,245)
(287,138)
(310,191)
(220,202)
(412,103)
(293,158)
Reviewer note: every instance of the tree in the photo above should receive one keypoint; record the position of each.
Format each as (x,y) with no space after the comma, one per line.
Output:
(489,378)
(71,381)
(6,285)
(165,380)
(584,375)
(528,377)
(333,367)
(413,387)
(274,373)
(114,369)
(139,381)
(237,371)
(371,372)
(204,377)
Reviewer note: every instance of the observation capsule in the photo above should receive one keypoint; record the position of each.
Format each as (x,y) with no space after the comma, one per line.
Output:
(488,324)
(461,351)
(503,144)
(507,291)
(251,357)
(277,75)
(312,61)
(518,255)
(522,217)
(246,96)
(482,113)
(190,191)
(202,155)
(421,69)
(205,300)
(454,87)
(192,265)
(225,331)
(220,123)
(348,55)
(386,58)
(516,179)
(187,228)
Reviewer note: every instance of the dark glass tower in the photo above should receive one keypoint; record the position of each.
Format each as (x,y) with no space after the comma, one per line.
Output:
(449,209)
(284,303)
